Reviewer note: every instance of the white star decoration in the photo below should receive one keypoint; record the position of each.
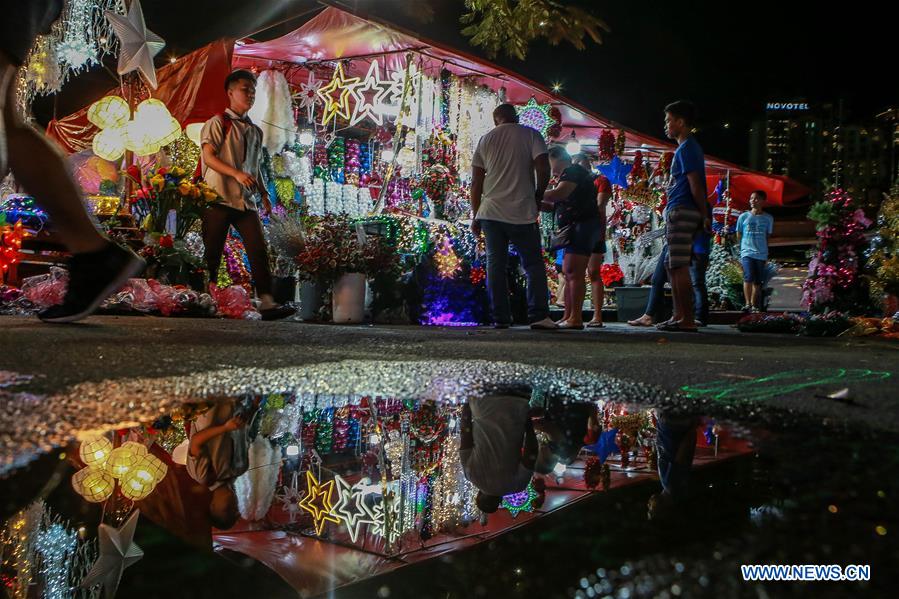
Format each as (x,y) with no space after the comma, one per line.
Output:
(117,552)
(371,96)
(379,526)
(290,497)
(138,44)
(309,94)
(351,507)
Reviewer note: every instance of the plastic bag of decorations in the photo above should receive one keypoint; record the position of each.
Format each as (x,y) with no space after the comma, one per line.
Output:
(46,290)
(234,302)
(150,296)
(771,323)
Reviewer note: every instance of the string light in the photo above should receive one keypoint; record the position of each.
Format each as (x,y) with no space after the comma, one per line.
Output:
(56,544)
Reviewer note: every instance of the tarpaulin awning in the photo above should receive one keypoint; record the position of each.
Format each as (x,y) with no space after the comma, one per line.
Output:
(190,87)
(336,34)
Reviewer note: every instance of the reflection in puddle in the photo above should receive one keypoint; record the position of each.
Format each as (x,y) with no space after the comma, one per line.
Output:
(340,474)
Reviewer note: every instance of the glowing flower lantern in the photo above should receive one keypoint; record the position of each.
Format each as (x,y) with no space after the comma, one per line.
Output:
(156,120)
(95,452)
(94,484)
(109,144)
(193,132)
(123,459)
(135,488)
(109,112)
(149,470)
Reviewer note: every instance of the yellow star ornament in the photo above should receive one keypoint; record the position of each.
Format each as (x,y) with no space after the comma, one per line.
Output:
(319,501)
(336,95)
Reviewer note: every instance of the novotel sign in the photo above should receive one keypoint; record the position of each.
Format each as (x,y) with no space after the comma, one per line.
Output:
(787,106)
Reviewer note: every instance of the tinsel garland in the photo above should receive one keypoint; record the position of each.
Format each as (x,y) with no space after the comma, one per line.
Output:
(621,143)
(320,162)
(236,264)
(606,145)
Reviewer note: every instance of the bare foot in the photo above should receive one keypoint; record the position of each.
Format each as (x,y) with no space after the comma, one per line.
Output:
(643,321)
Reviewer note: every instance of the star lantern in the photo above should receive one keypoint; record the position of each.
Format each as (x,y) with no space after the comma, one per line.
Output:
(117,551)
(138,44)
(379,515)
(290,497)
(520,502)
(370,96)
(319,502)
(10,243)
(308,94)
(616,171)
(536,116)
(350,507)
(336,95)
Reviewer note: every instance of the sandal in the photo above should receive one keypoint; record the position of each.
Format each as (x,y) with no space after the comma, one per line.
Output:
(595,325)
(572,327)
(277,312)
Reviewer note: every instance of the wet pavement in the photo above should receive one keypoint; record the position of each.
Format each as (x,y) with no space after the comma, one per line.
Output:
(776,471)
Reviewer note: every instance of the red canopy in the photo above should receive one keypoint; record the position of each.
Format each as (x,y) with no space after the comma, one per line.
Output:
(191,89)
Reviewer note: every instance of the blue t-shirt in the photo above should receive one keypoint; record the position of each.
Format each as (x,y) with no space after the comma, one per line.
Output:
(688,158)
(702,243)
(754,230)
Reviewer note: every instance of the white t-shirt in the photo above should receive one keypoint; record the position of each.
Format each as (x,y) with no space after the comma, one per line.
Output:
(507,155)
(493,465)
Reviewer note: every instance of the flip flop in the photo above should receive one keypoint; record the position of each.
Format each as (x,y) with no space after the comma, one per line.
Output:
(673,327)
(571,327)
(634,323)
(595,325)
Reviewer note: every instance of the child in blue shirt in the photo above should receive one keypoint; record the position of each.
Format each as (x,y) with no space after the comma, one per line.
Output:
(753,229)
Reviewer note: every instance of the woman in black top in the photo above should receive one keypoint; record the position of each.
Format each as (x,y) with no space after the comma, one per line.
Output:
(574,200)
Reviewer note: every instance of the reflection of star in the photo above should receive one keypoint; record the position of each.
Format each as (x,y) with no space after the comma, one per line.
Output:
(336,95)
(379,518)
(138,44)
(290,498)
(117,552)
(350,507)
(370,95)
(318,501)
(308,94)
(520,502)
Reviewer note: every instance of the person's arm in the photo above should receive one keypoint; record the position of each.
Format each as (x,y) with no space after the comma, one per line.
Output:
(559,193)
(541,167)
(697,189)
(531,447)
(201,438)
(477,191)
(602,198)
(467,437)
(740,229)
(211,159)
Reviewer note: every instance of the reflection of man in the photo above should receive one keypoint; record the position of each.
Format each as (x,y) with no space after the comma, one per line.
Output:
(676,444)
(218,455)
(498,447)
(568,426)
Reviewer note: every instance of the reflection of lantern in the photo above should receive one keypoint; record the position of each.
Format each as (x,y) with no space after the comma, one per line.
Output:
(94,484)
(95,452)
(193,132)
(150,470)
(109,144)
(135,488)
(108,112)
(124,458)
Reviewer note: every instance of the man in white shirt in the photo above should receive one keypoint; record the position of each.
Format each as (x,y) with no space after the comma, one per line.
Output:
(498,447)
(505,195)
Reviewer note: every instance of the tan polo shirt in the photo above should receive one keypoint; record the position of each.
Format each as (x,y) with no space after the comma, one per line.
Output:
(242,149)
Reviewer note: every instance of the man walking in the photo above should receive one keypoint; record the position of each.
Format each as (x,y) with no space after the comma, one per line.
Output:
(686,213)
(504,204)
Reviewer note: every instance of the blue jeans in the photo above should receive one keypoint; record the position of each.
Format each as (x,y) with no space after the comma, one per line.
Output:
(698,268)
(657,292)
(526,239)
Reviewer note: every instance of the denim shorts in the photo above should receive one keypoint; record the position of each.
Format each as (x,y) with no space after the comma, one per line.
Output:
(584,235)
(753,270)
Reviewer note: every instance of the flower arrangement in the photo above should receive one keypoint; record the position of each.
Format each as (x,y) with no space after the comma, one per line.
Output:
(165,190)
(335,246)
(170,260)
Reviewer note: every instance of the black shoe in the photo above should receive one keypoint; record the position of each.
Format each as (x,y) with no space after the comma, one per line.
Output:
(93,277)
(277,312)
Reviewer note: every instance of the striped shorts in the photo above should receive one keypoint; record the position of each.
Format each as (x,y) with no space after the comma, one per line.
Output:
(681,225)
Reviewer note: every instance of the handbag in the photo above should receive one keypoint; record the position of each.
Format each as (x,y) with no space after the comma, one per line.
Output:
(561,237)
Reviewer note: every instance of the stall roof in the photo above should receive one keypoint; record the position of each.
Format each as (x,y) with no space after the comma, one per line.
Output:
(336,34)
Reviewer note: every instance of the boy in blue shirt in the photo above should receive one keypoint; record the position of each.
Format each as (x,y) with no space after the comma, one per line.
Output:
(753,229)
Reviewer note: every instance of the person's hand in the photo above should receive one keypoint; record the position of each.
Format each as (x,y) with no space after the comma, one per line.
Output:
(234,423)
(266,205)
(476,228)
(246,179)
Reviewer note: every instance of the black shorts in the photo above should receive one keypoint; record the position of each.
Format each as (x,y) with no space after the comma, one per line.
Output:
(600,247)
(22,22)
(583,237)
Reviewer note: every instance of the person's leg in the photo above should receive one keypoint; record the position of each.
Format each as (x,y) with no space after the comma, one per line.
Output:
(682,293)
(656,292)
(526,239)
(215,224)
(746,263)
(597,288)
(701,294)
(249,226)
(758,284)
(41,170)
(575,267)
(497,245)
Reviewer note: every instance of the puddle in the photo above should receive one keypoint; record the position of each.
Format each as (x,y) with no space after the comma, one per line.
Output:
(447,479)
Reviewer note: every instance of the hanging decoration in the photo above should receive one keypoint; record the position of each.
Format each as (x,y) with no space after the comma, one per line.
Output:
(371,96)
(336,96)
(138,45)
(308,94)
(621,143)
(56,544)
(350,507)
(272,111)
(606,145)
(536,116)
(319,502)
(77,49)
(290,496)
(616,171)
(10,244)
(117,552)
(522,501)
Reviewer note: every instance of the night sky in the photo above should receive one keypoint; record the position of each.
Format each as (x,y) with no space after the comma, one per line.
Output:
(728,57)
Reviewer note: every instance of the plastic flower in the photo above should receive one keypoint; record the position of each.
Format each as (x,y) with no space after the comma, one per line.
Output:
(157,181)
(210,195)
(178,171)
(166,241)
(184,188)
